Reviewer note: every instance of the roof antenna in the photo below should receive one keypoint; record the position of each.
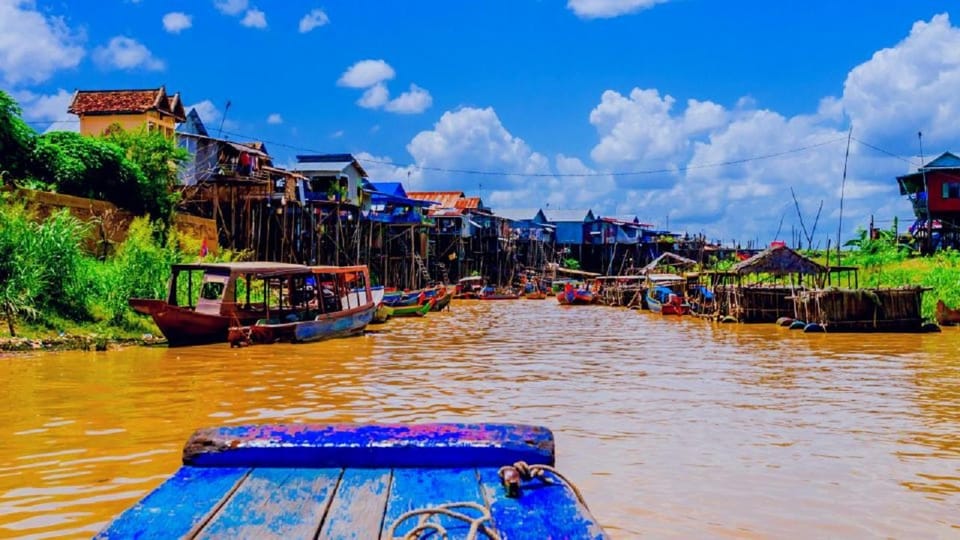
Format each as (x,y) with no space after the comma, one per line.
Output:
(226,109)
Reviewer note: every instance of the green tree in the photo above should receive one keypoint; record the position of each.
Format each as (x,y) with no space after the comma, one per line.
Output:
(16,140)
(158,159)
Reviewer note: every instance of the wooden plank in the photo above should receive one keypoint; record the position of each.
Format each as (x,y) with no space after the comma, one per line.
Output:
(358,506)
(179,505)
(276,503)
(370,446)
(542,511)
(413,489)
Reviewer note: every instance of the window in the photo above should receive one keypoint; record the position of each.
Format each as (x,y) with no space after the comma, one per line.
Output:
(951,190)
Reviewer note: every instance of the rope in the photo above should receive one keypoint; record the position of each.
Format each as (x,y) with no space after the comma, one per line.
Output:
(511,475)
(424,526)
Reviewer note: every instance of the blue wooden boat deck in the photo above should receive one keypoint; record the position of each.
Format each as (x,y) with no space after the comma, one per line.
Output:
(349,481)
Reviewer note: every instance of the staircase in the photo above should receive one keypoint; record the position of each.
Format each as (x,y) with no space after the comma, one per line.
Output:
(444,275)
(421,268)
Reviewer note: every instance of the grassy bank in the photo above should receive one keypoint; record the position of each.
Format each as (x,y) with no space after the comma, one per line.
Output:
(52,289)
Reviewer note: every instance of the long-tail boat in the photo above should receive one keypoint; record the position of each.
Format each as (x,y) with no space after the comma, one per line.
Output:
(204,300)
(420,310)
(441,300)
(364,481)
(327,302)
(468,288)
(571,296)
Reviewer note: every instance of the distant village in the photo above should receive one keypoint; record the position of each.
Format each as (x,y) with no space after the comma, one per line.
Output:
(325,210)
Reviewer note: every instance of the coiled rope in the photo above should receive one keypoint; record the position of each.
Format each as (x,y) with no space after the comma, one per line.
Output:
(424,526)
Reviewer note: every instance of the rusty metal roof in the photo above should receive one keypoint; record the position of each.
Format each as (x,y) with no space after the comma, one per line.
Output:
(446,199)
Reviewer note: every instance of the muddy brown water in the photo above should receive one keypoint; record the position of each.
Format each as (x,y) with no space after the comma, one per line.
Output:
(672,427)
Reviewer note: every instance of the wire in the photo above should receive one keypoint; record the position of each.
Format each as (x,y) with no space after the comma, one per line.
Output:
(642,172)
(558,175)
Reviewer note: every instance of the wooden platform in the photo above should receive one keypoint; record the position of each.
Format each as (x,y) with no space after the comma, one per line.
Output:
(347,481)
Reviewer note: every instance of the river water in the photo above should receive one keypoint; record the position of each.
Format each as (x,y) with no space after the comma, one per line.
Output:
(672,427)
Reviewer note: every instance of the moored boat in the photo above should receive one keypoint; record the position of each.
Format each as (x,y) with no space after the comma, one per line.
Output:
(662,294)
(571,296)
(363,481)
(441,299)
(326,302)
(468,288)
(415,310)
(204,300)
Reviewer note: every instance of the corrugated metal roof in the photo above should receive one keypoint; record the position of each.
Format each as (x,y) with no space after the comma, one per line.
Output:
(331,167)
(446,199)
(468,203)
(517,214)
(555,216)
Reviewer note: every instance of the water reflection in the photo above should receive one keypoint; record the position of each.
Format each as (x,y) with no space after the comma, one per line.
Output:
(672,427)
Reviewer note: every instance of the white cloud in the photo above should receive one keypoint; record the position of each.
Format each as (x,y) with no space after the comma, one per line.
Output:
(315,19)
(639,128)
(336,134)
(232,7)
(176,22)
(126,53)
(366,73)
(374,97)
(275,119)
(254,18)
(598,9)
(415,101)
(49,109)
(33,46)
(382,169)
(472,138)
(910,87)
(209,113)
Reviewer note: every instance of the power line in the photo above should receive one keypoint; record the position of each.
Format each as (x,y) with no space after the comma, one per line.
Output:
(642,172)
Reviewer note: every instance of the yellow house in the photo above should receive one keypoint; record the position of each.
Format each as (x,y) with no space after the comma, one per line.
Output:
(131,109)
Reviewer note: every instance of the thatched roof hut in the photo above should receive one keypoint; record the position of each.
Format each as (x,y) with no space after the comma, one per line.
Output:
(779,261)
(668,259)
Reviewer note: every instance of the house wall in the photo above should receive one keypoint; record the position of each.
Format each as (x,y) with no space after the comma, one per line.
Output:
(941,183)
(96,125)
(569,232)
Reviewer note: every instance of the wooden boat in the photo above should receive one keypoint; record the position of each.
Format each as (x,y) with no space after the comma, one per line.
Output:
(535,295)
(441,300)
(204,300)
(663,300)
(499,295)
(363,481)
(574,297)
(946,316)
(382,314)
(468,288)
(327,302)
(663,294)
(414,310)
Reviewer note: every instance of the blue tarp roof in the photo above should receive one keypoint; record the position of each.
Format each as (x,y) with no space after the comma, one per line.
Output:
(390,188)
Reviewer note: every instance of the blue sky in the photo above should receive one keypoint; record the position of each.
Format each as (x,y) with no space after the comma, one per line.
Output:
(557,101)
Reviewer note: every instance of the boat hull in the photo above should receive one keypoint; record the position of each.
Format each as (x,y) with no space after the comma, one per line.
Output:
(183,326)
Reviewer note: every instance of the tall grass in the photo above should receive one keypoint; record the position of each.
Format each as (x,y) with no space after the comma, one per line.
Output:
(47,277)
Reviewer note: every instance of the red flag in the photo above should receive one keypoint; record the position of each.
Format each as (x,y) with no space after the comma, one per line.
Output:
(203,248)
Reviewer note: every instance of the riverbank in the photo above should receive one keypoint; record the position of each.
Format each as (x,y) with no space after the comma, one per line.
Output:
(91,342)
